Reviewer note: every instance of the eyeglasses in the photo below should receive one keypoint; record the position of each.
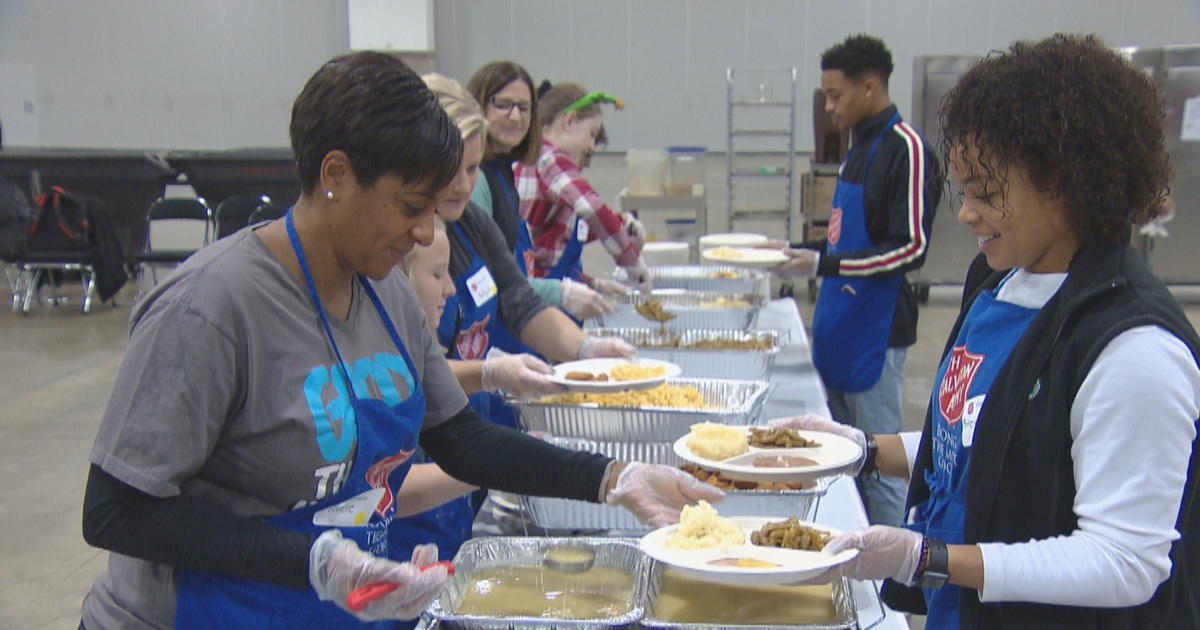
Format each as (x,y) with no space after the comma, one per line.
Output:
(505,105)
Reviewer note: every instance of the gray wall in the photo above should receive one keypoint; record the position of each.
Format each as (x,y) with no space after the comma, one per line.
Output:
(667,58)
(211,74)
(201,74)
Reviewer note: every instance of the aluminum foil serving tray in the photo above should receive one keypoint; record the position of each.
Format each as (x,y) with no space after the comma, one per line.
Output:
(845,611)
(694,310)
(704,362)
(712,278)
(551,513)
(731,402)
(483,553)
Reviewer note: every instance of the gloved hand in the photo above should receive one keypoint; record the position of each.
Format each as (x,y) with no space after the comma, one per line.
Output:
(522,375)
(802,263)
(336,566)
(818,423)
(598,347)
(639,275)
(635,230)
(582,302)
(656,493)
(771,244)
(608,287)
(884,552)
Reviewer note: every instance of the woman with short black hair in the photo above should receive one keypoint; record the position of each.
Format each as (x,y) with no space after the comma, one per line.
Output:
(256,451)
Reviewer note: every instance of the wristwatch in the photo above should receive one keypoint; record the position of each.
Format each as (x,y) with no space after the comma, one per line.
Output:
(869,455)
(937,568)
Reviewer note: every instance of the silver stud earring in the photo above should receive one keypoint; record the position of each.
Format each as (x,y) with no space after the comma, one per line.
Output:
(329,195)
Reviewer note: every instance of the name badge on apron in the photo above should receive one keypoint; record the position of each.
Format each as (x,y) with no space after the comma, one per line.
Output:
(481,286)
(581,231)
(354,512)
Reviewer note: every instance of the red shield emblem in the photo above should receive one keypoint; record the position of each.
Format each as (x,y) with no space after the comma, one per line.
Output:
(472,343)
(377,477)
(834,231)
(952,393)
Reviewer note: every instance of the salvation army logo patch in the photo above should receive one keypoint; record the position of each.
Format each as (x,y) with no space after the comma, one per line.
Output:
(472,343)
(952,393)
(377,477)
(834,231)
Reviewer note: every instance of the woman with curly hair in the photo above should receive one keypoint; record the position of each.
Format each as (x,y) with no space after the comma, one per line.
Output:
(1053,483)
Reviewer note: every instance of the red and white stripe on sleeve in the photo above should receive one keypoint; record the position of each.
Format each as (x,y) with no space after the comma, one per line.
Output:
(917,243)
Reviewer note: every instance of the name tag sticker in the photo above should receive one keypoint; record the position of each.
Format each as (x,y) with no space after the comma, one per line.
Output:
(353,512)
(481,286)
(970,415)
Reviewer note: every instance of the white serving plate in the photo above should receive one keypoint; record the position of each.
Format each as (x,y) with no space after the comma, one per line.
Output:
(794,565)
(732,239)
(596,366)
(750,257)
(834,453)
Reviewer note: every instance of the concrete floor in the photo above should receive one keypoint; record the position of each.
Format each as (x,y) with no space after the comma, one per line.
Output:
(56,370)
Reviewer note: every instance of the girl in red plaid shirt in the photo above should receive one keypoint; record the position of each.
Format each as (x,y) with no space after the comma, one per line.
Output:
(563,210)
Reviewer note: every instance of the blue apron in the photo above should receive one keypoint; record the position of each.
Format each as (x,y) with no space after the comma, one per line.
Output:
(523,251)
(988,335)
(570,263)
(852,323)
(386,439)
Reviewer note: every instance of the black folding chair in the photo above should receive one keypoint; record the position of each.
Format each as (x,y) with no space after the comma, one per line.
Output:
(234,213)
(267,212)
(164,210)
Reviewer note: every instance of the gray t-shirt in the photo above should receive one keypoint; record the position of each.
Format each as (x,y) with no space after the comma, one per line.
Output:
(226,392)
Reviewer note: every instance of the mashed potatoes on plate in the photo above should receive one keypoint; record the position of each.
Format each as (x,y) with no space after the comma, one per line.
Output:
(717,441)
(701,528)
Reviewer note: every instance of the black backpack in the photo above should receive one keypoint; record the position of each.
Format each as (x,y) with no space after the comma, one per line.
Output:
(62,223)
(16,213)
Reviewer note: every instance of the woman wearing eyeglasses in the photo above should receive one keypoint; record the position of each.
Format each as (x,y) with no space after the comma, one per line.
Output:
(506,93)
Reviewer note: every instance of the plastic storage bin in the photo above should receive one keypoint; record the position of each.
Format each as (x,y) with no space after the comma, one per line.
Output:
(647,171)
(686,171)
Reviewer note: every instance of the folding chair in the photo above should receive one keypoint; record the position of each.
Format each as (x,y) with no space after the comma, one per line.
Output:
(234,213)
(180,209)
(267,212)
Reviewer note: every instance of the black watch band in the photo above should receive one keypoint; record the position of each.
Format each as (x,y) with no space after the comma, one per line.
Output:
(937,569)
(869,456)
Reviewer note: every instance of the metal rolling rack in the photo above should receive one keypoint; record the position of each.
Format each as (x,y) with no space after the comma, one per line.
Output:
(755,117)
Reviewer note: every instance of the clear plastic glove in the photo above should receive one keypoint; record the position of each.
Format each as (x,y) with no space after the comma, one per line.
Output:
(802,263)
(639,276)
(599,347)
(656,493)
(336,566)
(635,230)
(819,423)
(608,287)
(884,552)
(582,302)
(522,375)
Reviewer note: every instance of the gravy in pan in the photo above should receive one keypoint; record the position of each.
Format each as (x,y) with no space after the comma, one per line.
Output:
(538,591)
(684,600)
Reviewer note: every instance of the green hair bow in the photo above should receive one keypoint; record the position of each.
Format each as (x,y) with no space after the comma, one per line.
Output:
(595,97)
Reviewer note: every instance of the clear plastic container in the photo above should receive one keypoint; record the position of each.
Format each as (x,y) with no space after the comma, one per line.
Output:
(686,175)
(647,171)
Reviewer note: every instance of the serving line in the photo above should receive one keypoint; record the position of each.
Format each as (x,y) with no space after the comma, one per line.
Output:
(797,390)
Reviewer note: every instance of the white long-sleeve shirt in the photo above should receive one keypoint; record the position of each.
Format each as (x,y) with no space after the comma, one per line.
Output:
(1129,474)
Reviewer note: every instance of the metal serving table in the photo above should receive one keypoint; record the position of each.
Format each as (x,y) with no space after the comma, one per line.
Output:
(797,390)
(216,175)
(128,181)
